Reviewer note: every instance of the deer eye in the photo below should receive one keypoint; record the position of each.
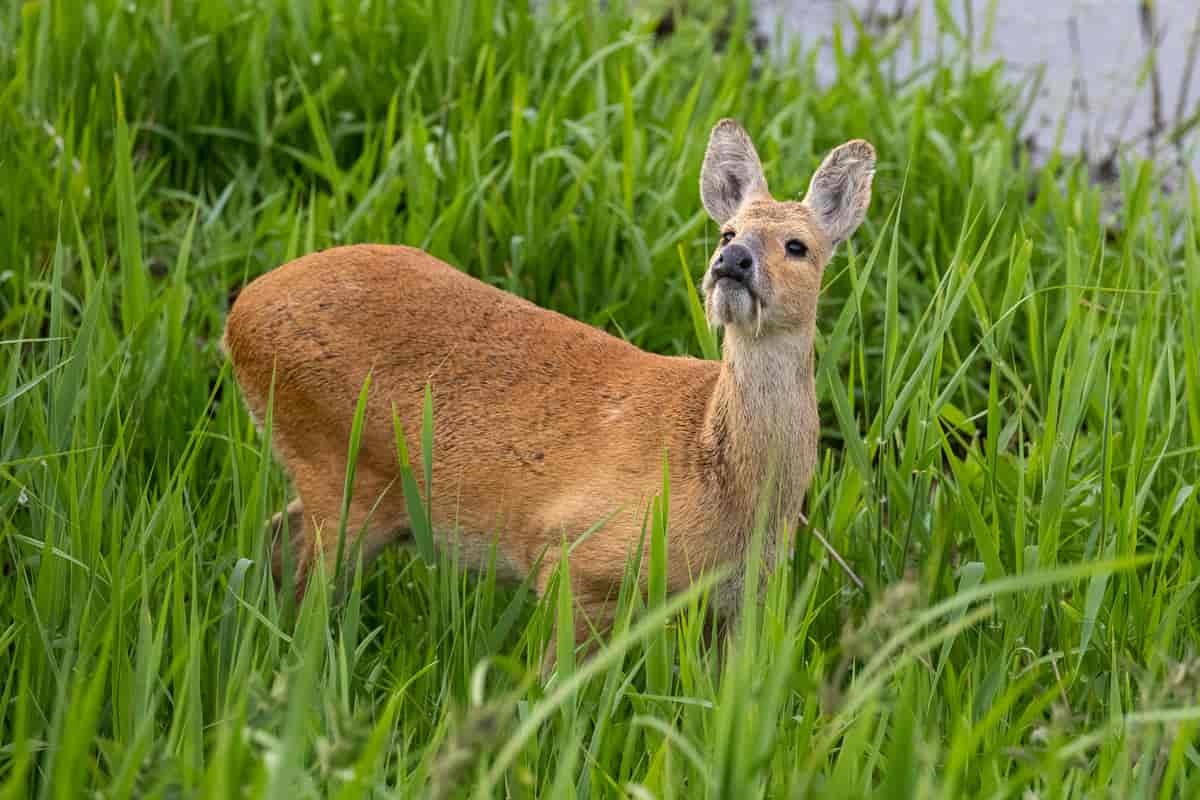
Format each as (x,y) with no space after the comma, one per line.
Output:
(727,237)
(796,248)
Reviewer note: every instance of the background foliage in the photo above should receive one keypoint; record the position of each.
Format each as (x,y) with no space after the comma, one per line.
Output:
(1010,389)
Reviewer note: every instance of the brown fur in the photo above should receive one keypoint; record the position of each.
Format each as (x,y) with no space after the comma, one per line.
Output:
(543,426)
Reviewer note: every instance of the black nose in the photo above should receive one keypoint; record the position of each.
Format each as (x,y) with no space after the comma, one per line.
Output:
(735,262)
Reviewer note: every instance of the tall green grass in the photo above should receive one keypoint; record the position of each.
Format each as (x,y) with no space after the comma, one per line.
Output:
(1010,392)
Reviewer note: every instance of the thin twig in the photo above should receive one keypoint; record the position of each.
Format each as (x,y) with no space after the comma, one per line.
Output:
(1146,20)
(1079,82)
(1185,88)
(1189,62)
(829,548)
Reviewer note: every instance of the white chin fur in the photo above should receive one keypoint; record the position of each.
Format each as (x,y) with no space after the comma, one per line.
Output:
(730,306)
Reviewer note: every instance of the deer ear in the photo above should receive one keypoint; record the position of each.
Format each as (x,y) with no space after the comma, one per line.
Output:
(731,173)
(840,190)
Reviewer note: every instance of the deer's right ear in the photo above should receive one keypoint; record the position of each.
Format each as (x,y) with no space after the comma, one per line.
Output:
(732,173)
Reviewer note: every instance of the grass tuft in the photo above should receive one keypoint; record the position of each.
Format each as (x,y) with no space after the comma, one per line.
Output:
(1009,383)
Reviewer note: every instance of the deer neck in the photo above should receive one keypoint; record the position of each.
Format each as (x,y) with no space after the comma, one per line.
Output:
(761,423)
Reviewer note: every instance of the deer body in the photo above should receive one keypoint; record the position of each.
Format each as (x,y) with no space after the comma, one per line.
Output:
(545,426)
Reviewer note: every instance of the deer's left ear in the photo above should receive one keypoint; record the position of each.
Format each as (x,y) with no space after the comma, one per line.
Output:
(840,190)
(732,173)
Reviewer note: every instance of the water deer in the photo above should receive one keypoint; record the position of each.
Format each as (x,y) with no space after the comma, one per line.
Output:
(543,425)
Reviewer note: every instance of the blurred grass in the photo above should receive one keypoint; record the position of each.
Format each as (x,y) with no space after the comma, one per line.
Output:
(1010,391)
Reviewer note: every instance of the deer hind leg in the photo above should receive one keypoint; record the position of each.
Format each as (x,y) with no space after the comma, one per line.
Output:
(286,529)
(309,528)
(375,518)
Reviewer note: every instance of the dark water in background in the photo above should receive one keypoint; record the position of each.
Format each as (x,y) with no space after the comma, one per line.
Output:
(1113,73)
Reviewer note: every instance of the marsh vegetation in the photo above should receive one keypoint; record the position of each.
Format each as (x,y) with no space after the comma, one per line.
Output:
(1009,385)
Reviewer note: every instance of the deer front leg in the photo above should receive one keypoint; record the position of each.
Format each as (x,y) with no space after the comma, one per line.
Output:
(593,610)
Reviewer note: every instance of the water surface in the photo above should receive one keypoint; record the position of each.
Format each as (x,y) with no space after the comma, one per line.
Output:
(1115,72)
